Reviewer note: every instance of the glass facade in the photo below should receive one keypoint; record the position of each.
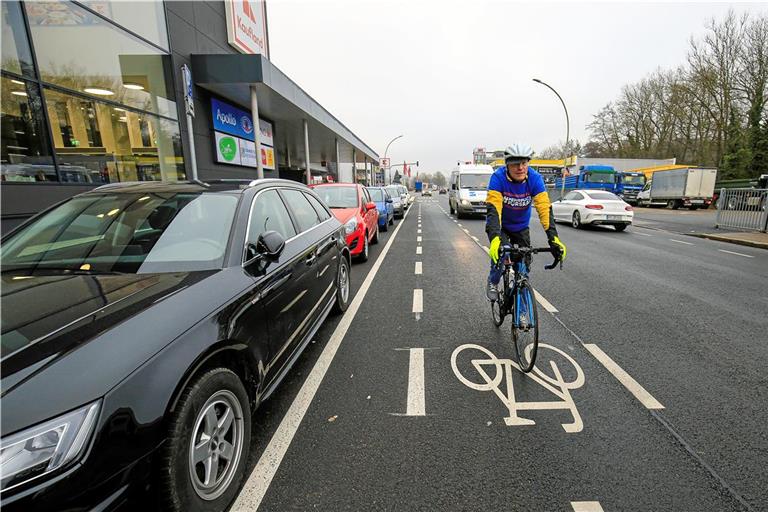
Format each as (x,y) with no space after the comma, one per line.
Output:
(96,103)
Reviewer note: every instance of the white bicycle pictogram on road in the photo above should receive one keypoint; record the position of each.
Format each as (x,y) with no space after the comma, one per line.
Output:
(502,369)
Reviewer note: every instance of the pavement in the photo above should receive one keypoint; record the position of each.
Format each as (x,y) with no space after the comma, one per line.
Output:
(751,239)
(647,393)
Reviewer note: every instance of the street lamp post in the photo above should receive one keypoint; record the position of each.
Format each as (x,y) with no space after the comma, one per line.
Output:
(567,134)
(385,156)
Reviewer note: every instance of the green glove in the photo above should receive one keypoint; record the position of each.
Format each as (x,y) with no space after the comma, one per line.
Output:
(558,246)
(493,250)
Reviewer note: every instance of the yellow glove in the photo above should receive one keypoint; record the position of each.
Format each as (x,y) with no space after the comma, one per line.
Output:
(493,250)
(559,246)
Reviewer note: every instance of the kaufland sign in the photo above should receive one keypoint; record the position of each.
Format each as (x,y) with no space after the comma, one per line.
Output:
(247,26)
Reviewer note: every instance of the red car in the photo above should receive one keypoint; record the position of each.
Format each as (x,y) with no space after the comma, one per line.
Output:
(353,207)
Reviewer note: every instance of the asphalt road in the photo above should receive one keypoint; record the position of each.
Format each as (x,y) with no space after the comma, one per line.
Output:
(399,409)
(681,221)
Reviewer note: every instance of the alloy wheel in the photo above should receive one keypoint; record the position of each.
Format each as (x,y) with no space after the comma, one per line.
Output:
(216,446)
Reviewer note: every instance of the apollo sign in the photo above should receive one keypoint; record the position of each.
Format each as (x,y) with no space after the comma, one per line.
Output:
(247,26)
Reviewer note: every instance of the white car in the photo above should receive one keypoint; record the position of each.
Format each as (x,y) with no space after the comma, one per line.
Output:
(596,207)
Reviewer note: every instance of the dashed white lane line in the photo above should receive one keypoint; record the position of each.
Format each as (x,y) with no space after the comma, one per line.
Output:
(736,253)
(417,270)
(418,302)
(418,250)
(475,239)
(544,302)
(418,231)
(416,403)
(261,477)
(631,384)
(418,239)
(680,242)
(586,506)
(641,234)
(459,225)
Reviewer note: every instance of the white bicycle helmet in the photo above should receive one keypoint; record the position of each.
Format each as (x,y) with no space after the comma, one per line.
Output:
(518,152)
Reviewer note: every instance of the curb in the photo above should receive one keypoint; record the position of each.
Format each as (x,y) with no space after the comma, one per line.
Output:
(720,238)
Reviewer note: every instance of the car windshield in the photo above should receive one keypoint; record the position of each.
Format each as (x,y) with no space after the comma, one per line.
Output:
(603,196)
(376,194)
(125,233)
(633,180)
(599,177)
(394,192)
(338,197)
(476,181)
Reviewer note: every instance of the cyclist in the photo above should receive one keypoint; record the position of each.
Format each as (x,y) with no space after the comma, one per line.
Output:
(512,190)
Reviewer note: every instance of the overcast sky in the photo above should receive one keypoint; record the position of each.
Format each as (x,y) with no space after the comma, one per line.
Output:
(451,76)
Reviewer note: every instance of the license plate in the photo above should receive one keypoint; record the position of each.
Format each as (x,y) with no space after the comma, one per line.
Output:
(698,201)
(613,217)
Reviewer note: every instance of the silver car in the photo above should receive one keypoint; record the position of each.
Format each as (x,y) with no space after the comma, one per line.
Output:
(399,201)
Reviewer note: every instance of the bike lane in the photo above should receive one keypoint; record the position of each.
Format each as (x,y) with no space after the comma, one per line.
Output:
(371,439)
(684,319)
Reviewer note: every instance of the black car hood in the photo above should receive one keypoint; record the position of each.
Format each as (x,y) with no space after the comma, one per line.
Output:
(47,317)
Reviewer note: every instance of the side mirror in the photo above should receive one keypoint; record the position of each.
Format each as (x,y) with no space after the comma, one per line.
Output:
(270,244)
(370,206)
(388,200)
(453,186)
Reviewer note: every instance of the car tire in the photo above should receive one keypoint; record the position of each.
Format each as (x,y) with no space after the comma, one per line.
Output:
(375,238)
(576,220)
(450,207)
(181,486)
(620,227)
(385,227)
(392,220)
(342,286)
(363,256)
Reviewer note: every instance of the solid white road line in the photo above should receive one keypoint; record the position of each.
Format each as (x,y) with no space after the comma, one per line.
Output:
(256,487)
(544,302)
(485,248)
(631,384)
(680,242)
(586,506)
(475,239)
(418,239)
(417,270)
(416,406)
(736,253)
(418,250)
(418,302)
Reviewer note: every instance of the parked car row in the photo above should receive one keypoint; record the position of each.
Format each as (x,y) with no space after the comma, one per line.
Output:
(144,323)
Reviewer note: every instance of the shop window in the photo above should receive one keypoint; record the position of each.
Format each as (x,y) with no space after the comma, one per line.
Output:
(96,142)
(16,55)
(146,19)
(26,154)
(80,51)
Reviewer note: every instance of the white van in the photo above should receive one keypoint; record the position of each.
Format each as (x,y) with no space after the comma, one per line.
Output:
(468,190)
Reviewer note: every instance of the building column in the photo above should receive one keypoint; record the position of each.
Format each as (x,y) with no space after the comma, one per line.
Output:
(256,132)
(354,165)
(306,152)
(338,164)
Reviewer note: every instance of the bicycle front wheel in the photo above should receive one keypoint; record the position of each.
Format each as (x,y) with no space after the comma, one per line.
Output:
(525,328)
(499,307)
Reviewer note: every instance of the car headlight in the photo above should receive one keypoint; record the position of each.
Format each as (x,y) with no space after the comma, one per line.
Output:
(43,448)
(465,202)
(350,226)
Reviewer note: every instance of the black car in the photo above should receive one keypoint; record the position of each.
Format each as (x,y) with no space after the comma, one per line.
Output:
(142,324)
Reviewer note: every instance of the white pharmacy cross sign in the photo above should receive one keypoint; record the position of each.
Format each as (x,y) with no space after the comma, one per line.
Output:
(496,372)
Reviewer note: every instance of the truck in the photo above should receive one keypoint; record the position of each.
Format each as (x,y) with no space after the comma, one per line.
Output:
(417,185)
(749,194)
(469,189)
(690,187)
(602,177)
(628,185)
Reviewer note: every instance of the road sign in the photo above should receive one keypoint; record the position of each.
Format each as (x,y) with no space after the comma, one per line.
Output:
(384,163)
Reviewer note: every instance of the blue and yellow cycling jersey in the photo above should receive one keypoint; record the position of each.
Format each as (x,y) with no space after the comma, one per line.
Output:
(509,203)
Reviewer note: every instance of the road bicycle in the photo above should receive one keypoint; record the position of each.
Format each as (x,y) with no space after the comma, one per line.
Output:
(516,298)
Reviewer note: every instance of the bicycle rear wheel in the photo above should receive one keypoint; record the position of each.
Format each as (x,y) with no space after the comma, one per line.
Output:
(525,328)
(499,307)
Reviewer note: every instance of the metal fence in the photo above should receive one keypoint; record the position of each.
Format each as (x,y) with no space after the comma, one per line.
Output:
(743,208)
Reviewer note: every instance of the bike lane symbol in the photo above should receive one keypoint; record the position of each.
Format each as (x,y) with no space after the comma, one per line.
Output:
(502,369)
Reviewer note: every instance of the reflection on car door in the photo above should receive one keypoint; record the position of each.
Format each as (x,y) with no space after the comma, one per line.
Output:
(312,294)
(327,253)
(368,215)
(280,285)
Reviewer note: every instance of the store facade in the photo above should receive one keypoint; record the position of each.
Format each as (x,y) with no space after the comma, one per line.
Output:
(92,94)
